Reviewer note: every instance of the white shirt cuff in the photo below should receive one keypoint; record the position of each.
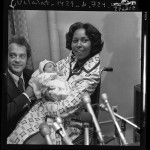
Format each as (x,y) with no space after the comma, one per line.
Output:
(27,96)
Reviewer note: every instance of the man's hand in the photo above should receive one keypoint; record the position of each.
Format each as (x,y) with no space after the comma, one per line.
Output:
(29,91)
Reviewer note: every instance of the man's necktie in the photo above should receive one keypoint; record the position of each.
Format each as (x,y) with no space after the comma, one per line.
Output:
(20,85)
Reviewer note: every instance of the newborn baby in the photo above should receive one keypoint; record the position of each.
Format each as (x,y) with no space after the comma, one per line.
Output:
(47,77)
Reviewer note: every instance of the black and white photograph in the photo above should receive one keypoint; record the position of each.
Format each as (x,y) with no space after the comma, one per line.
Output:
(75,77)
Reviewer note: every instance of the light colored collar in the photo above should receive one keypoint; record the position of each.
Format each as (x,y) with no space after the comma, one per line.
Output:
(90,64)
(15,78)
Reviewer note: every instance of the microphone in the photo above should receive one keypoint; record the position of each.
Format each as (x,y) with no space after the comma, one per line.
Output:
(45,132)
(59,121)
(86,118)
(102,107)
(56,127)
(87,101)
(105,99)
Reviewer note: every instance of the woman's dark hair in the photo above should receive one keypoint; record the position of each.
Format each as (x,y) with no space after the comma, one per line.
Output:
(20,40)
(93,34)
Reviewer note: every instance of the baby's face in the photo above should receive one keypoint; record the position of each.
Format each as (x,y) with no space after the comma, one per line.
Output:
(49,68)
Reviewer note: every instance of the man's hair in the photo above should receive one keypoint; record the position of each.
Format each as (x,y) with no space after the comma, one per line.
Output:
(20,40)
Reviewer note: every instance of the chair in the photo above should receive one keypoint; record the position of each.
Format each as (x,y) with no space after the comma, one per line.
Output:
(95,98)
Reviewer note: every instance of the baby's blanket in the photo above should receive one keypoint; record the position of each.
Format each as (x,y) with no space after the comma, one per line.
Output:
(57,85)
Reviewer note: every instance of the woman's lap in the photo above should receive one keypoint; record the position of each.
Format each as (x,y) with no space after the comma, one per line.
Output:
(27,129)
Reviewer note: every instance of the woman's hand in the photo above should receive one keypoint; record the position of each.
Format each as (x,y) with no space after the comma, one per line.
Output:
(47,96)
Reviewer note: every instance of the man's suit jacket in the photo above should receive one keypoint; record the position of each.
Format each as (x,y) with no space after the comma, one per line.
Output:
(17,103)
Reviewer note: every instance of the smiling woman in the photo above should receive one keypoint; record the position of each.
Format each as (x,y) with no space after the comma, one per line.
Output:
(84,36)
(81,45)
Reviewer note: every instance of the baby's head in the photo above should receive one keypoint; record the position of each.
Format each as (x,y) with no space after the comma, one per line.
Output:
(49,67)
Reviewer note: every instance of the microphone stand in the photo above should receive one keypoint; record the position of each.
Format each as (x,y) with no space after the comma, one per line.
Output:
(123,126)
(87,101)
(105,99)
(116,132)
(124,121)
(102,107)
(129,122)
(117,135)
(86,133)
(86,119)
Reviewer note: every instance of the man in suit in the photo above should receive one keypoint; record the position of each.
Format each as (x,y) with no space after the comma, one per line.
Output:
(19,94)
